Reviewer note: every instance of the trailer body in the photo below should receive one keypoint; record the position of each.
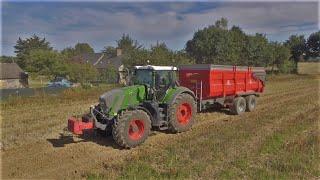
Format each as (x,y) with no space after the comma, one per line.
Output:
(218,82)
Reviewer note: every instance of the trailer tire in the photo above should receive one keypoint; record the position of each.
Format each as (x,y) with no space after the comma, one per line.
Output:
(182,113)
(239,106)
(131,128)
(251,101)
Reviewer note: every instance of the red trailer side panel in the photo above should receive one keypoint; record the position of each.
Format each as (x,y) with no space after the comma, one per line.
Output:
(219,80)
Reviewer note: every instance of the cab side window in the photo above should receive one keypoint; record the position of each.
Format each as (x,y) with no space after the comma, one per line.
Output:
(163,78)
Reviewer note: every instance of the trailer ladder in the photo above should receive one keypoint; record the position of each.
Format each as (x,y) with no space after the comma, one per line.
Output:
(199,91)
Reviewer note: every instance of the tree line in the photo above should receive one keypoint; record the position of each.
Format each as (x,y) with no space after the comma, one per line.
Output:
(219,44)
(214,44)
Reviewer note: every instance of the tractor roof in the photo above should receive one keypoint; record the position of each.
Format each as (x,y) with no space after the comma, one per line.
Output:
(157,68)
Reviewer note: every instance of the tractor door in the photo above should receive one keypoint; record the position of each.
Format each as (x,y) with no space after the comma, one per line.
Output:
(163,81)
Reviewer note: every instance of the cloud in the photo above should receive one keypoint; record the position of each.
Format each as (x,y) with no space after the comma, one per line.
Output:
(101,24)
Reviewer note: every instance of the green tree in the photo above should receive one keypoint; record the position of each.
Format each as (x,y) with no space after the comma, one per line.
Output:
(80,48)
(110,75)
(210,45)
(280,55)
(237,46)
(24,46)
(216,44)
(181,58)
(136,57)
(46,62)
(82,73)
(69,52)
(110,51)
(257,51)
(127,44)
(297,46)
(222,23)
(160,55)
(313,45)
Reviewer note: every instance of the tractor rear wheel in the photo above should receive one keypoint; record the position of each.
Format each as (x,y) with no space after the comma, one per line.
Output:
(182,113)
(251,103)
(239,106)
(131,128)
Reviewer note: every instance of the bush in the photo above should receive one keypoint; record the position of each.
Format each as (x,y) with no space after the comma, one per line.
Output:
(110,75)
(82,73)
(46,62)
(287,67)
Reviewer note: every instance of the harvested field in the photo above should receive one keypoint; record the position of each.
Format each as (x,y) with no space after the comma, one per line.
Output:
(309,68)
(280,139)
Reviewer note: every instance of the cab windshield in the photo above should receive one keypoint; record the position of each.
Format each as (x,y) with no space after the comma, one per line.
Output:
(143,76)
(162,78)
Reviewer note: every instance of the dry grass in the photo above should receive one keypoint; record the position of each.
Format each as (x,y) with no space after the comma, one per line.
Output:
(25,118)
(278,140)
(309,67)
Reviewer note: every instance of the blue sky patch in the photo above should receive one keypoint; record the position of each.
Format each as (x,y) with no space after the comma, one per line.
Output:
(102,23)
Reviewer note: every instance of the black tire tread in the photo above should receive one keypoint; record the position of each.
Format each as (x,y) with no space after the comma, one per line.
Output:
(119,131)
(173,127)
(248,99)
(234,107)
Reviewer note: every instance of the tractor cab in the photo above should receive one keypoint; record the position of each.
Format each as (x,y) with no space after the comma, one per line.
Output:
(156,78)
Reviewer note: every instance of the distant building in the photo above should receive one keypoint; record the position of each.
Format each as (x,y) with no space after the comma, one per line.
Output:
(102,62)
(12,76)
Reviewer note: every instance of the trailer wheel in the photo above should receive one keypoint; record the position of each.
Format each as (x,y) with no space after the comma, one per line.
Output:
(251,101)
(131,128)
(182,113)
(239,106)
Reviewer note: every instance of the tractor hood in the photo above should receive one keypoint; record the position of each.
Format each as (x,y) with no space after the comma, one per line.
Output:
(118,99)
(111,100)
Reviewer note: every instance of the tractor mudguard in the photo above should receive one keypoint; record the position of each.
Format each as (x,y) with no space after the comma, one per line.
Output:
(172,94)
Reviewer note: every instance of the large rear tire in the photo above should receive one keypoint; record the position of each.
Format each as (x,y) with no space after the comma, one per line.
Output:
(251,101)
(239,106)
(131,129)
(182,113)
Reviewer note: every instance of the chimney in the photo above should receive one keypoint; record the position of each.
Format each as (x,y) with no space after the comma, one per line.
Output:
(119,52)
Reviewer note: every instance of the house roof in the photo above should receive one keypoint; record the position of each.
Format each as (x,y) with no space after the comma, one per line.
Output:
(10,71)
(99,60)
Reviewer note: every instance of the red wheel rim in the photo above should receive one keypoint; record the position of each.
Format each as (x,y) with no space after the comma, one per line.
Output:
(184,113)
(136,129)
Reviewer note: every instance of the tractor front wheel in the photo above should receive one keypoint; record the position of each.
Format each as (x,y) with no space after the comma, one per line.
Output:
(182,113)
(131,128)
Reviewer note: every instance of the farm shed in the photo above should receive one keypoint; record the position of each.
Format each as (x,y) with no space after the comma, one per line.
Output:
(309,67)
(12,76)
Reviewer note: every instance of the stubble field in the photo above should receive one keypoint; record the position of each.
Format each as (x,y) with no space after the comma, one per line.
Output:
(280,139)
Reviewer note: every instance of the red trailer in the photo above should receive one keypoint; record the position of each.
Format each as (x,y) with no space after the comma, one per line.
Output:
(235,87)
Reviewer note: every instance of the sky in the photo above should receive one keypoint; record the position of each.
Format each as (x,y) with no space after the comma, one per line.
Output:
(100,24)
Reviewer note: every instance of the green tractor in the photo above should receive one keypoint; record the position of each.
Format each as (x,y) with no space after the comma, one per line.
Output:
(153,100)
